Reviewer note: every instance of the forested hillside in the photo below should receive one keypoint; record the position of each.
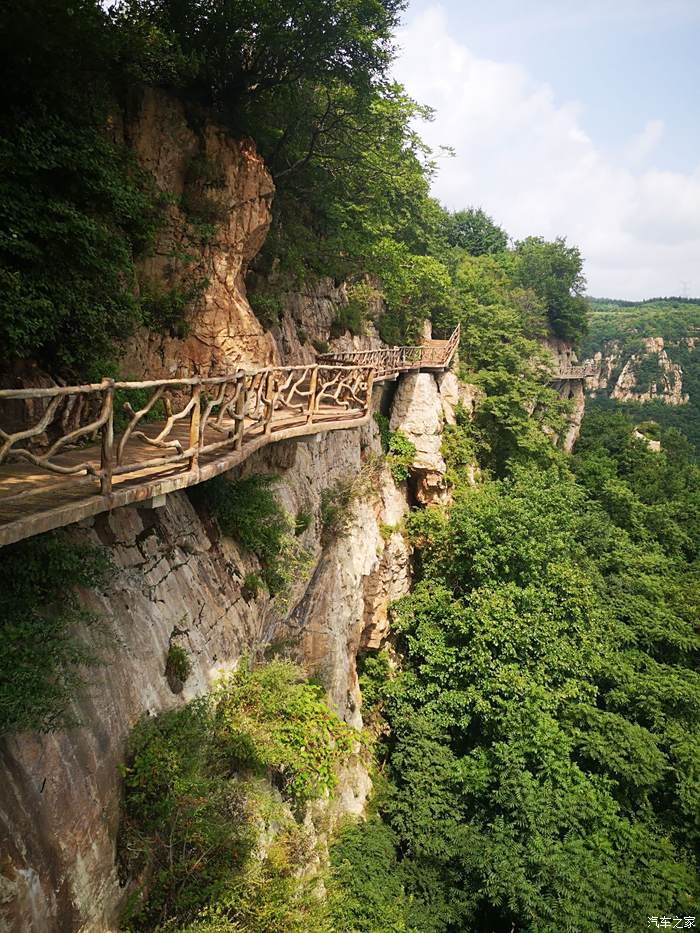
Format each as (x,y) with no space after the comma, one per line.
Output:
(652,346)
(531,721)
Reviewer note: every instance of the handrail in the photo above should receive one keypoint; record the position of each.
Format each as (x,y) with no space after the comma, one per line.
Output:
(185,431)
(220,412)
(436,354)
(583,371)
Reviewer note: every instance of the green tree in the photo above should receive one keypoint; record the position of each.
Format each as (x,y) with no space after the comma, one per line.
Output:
(543,717)
(553,271)
(475,232)
(75,210)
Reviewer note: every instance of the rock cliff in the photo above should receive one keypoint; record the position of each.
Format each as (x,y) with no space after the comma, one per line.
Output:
(641,372)
(571,390)
(207,175)
(176,578)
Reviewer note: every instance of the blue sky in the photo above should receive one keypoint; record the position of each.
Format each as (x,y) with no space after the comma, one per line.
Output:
(574,119)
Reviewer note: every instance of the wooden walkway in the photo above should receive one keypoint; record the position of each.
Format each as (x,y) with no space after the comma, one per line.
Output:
(97,447)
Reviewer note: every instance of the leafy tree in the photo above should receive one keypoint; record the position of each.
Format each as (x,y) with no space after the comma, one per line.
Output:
(501,354)
(75,210)
(241,51)
(553,271)
(544,706)
(475,232)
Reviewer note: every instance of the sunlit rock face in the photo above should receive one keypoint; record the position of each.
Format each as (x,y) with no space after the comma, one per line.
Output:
(221,327)
(620,373)
(423,404)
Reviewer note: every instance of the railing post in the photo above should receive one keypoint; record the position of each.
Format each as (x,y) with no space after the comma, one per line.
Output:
(269,399)
(312,395)
(107,451)
(240,412)
(195,417)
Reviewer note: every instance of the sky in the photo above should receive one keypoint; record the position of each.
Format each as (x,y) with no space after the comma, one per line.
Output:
(575,118)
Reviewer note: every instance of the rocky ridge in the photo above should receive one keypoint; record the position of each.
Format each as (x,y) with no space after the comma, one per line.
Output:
(619,372)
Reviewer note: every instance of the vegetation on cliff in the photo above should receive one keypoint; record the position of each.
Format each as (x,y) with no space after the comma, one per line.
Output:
(44,629)
(211,790)
(545,716)
(619,327)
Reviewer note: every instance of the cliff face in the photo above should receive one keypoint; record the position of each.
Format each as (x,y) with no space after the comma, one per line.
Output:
(643,374)
(571,390)
(177,579)
(208,177)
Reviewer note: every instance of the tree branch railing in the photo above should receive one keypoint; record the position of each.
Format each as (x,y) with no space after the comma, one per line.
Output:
(131,431)
(437,354)
(202,417)
(584,371)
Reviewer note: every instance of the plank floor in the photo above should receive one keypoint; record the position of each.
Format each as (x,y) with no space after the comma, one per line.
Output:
(33,499)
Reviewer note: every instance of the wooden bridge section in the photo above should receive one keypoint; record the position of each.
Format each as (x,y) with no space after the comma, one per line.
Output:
(93,448)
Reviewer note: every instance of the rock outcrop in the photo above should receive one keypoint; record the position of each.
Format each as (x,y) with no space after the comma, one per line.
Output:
(640,375)
(228,179)
(422,405)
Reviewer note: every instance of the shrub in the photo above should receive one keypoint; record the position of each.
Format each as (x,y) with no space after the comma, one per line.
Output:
(348,317)
(459,448)
(253,584)
(247,510)
(273,722)
(43,649)
(267,308)
(192,820)
(337,501)
(303,520)
(386,531)
(384,430)
(401,455)
(186,827)
(400,451)
(321,346)
(165,309)
(178,666)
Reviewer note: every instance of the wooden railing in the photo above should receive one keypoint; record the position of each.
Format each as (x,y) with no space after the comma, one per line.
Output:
(437,354)
(575,372)
(197,417)
(91,448)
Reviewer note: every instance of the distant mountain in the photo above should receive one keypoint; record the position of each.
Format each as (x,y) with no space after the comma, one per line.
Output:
(647,356)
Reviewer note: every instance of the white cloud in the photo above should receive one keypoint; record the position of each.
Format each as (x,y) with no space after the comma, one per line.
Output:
(526,159)
(644,143)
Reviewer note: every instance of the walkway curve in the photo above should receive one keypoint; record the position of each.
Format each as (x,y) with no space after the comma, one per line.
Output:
(93,448)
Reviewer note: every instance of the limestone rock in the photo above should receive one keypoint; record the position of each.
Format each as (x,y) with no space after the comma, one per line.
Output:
(422,405)
(617,372)
(223,329)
